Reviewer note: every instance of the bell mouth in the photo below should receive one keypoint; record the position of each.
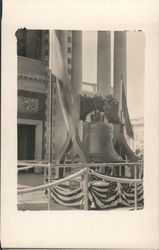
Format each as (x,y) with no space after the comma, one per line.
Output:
(98,143)
(100,158)
(93,159)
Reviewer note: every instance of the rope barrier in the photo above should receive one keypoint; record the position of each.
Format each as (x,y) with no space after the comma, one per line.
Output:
(24,168)
(32,161)
(33,189)
(96,164)
(115,179)
(86,170)
(31,165)
(34,164)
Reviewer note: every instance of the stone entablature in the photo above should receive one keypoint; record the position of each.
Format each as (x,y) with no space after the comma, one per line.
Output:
(32,75)
(29,67)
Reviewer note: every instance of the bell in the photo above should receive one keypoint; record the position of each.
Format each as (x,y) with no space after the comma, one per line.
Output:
(97,142)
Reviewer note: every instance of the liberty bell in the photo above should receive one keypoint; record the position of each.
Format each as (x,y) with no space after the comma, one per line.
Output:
(97,140)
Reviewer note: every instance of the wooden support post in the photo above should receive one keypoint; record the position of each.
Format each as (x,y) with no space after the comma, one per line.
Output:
(49,189)
(120,172)
(127,170)
(86,189)
(112,171)
(119,191)
(135,191)
(139,171)
(45,175)
(50,141)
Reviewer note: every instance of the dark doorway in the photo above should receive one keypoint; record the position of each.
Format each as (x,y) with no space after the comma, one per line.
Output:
(26,142)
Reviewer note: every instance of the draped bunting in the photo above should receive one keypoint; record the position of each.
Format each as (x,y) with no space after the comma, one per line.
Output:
(67,197)
(101,195)
(56,62)
(109,195)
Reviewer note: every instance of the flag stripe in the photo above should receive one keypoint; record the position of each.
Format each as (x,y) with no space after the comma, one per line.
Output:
(101,195)
(128,126)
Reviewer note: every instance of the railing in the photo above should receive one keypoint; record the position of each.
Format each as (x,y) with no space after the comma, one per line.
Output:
(85,172)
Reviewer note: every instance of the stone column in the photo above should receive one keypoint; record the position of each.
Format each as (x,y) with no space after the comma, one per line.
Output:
(120,61)
(76,80)
(120,71)
(104,63)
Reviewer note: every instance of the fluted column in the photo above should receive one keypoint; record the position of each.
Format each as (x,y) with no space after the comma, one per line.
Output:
(76,80)
(120,61)
(104,63)
(120,72)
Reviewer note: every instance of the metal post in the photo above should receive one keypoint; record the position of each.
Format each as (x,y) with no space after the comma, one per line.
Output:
(50,141)
(135,191)
(120,172)
(45,178)
(49,189)
(86,189)
(119,191)
(44,175)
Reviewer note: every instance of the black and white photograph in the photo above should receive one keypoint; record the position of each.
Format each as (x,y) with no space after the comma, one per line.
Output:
(80,119)
(79,127)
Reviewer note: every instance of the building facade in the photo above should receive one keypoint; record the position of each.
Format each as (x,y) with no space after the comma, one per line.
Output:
(137,144)
(36,100)
(32,113)
(33,75)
